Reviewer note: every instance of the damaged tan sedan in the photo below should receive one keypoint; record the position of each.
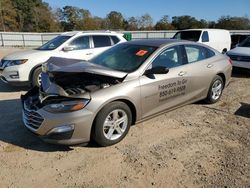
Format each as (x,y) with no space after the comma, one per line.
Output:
(100,100)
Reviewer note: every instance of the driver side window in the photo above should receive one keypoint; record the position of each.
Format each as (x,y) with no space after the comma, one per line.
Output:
(80,43)
(169,58)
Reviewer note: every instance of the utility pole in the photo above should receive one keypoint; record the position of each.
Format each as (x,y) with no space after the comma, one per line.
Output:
(1,14)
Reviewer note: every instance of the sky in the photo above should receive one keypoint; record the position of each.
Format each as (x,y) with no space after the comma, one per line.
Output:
(210,10)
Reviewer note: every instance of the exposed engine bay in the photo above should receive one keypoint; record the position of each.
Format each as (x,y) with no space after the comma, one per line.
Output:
(66,79)
(79,83)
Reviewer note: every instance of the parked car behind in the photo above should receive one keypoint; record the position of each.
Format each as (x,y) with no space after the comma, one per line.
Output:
(241,54)
(126,84)
(218,39)
(237,39)
(22,68)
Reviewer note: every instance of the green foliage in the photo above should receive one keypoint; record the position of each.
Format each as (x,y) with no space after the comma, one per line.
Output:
(114,20)
(8,20)
(37,16)
(164,24)
(188,22)
(233,23)
(27,15)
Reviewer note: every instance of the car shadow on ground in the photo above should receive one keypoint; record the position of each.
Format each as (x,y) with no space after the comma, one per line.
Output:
(12,130)
(240,73)
(4,87)
(243,111)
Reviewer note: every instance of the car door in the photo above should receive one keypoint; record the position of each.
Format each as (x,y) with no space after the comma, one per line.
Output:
(78,48)
(164,91)
(101,43)
(199,70)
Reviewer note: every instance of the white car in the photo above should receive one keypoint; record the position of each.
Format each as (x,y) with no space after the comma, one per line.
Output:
(218,39)
(241,54)
(23,68)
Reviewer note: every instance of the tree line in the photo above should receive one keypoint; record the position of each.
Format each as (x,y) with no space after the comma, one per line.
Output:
(37,16)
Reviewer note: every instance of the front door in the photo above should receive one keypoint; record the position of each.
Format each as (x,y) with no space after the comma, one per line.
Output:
(163,91)
(80,49)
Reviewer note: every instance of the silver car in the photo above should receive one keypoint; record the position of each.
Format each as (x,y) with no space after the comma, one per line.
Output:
(100,100)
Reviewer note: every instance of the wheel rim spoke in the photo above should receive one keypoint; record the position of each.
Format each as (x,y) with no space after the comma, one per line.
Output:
(115,115)
(120,120)
(110,132)
(108,124)
(119,130)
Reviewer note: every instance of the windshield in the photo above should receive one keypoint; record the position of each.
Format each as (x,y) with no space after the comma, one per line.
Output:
(124,57)
(54,43)
(245,43)
(188,35)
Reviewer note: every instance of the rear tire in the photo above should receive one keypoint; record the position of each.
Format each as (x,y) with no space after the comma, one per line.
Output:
(215,90)
(112,123)
(36,77)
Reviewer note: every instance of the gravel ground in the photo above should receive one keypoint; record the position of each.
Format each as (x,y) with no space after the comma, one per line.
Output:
(197,145)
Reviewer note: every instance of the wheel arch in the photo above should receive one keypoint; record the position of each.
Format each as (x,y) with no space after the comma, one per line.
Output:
(32,71)
(222,75)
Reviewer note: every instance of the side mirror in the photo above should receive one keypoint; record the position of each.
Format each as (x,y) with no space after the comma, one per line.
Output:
(157,70)
(68,48)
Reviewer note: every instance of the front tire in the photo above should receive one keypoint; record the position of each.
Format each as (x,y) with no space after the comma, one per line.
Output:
(112,123)
(36,77)
(215,90)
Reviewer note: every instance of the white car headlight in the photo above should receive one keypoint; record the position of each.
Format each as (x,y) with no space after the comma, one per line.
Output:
(9,63)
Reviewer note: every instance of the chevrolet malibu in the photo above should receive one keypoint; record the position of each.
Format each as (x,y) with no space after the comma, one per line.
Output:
(79,101)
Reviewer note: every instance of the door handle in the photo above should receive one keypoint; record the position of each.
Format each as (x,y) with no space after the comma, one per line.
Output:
(182,73)
(89,53)
(209,65)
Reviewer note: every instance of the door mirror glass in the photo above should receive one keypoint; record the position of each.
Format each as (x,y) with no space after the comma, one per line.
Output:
(68,48)
(157,70)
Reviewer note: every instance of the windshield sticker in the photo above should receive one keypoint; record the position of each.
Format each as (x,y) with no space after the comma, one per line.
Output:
(141,53)
(173,89)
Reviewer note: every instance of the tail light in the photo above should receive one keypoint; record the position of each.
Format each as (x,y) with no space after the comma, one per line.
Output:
(230,61)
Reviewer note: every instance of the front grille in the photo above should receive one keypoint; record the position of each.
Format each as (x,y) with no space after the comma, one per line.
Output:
(31,118)
(74,91)
(239,58)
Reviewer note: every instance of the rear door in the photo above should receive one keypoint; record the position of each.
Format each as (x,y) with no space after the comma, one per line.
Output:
(100,43)
(199,70)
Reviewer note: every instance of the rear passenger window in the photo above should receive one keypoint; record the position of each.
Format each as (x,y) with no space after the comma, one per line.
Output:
(101,41)
(195,53)
(115,39)
(80,43)
(205,37)
(209,53)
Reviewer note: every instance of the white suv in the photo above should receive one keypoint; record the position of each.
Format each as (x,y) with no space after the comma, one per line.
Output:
(22,68)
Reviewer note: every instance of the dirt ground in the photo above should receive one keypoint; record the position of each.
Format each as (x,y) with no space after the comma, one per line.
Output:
(197,145)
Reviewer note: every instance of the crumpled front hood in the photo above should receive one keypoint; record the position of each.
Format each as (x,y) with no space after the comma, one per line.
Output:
(63,65)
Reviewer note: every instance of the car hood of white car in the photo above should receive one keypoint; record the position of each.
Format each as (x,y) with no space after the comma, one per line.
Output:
(27,54)
(240,51)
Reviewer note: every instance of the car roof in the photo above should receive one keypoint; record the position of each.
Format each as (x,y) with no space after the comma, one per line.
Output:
(155,42)
(72,33)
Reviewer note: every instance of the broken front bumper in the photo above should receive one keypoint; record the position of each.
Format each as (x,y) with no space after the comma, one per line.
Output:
(59,128)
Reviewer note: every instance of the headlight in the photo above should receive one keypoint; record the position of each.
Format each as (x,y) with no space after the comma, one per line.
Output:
(68,106)
(15,62)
